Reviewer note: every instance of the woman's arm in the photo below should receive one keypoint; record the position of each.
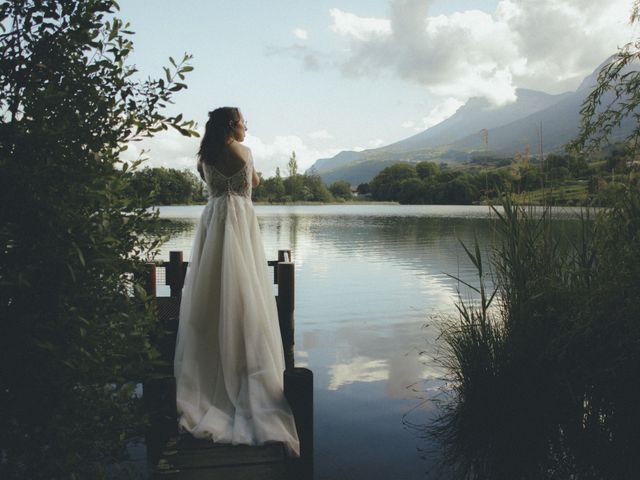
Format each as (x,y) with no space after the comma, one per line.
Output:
(200,169)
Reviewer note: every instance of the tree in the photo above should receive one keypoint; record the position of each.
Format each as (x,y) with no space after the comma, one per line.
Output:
(618,90)
(167,186)
(412,191)
(274,189)
(427,170)
(74,322)
(293,184)
(386,184)
(341,189)
(293,165)
(363,189)
(316,187)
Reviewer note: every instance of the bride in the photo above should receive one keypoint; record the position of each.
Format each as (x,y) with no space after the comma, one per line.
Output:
(229,358)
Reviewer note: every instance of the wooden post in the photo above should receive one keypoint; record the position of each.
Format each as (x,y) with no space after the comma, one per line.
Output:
(298,389)
(175,273)
(286,305)
(150,279)
(284,255)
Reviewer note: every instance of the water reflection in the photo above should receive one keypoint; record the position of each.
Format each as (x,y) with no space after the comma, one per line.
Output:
(357,369)
(369,279)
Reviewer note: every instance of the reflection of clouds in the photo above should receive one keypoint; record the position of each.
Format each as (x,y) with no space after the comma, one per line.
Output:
(405,371)
(310,339)
(302,358)
(359,369)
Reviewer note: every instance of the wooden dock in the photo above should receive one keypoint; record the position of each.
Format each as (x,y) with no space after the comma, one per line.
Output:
(180,456)
(186,458)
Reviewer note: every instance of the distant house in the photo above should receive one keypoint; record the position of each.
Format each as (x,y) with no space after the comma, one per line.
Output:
(635,164)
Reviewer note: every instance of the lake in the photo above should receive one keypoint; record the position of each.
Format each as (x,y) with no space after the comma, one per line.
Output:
(372,282)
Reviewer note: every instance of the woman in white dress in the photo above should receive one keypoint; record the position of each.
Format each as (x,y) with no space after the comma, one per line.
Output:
(229,358)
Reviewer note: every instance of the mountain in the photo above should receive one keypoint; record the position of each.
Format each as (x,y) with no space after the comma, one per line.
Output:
(340,160)
(534,119)
(475,115)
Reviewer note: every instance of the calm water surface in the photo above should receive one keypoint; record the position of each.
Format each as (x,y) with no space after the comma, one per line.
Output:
(371,282)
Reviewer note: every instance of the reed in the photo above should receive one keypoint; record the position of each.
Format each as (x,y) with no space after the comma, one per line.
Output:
(544,370)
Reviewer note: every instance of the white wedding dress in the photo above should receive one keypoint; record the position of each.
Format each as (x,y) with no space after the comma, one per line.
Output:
(229,358)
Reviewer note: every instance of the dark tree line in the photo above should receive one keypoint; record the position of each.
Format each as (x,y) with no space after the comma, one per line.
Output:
(170,186)
(429,183)
(298,187)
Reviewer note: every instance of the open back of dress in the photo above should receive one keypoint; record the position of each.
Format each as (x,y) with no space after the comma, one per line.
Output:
(229,358)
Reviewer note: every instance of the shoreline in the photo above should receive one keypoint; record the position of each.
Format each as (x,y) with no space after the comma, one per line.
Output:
(373,202)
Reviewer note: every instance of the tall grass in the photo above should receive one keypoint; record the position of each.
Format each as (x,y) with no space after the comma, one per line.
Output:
(545,371)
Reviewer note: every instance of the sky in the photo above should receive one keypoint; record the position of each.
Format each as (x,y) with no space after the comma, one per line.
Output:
(319,76)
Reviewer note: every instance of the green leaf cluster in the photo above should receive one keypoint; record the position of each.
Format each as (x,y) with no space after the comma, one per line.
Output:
(615,99)
(75,322)
(167,186)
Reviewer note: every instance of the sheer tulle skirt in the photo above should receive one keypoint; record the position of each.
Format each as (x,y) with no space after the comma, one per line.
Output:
(229,359)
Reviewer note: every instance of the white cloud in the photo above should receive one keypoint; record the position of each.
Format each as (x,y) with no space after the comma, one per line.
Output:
(311,59)
(321,134)
(408,124)
(169,149)
(270,155)
(376,142)
(440,113)
(548,45)
(348,24)
(301,33)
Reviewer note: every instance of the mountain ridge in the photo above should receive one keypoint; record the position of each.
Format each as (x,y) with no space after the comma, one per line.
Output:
(535,119)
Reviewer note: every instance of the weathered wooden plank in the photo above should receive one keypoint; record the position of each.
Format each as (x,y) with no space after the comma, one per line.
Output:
(268,471)
(191,459)
(207,454)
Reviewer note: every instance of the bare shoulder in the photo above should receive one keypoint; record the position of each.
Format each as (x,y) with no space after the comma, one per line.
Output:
(240,151)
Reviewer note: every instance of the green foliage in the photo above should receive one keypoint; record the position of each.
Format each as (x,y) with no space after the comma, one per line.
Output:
(615,99)
(296,187)
(411,191)
(74,323)
(363,189)
(293,165)
(563,179)
(427,170)
(386,185)
(318,191)
(545,382)
(270,190)
(167,186)
(341,189)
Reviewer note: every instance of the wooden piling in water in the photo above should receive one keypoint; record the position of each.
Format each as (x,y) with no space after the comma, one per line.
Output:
(176,272)
(286,307)
(298,382)
(150,280)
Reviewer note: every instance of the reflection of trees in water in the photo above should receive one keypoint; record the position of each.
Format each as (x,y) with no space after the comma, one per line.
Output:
(174,234)
(418,243)
(173,226)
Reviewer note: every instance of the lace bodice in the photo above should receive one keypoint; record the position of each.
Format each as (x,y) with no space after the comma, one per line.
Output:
(219,184)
